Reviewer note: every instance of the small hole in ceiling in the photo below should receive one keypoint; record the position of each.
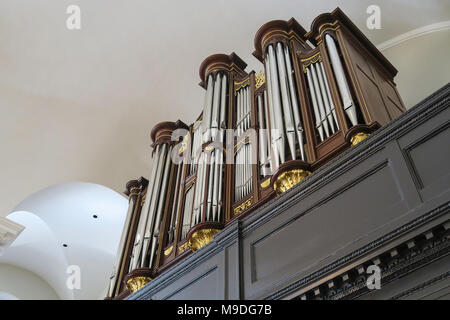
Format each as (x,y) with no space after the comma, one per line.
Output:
(95,216)
(65,245)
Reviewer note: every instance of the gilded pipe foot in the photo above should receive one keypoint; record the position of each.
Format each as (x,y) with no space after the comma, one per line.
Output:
(288,179)
(136,283)
(357,138)
(201,238)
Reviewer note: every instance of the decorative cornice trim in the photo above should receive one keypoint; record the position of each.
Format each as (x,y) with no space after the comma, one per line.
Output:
(297,285)
(9,231)
(422,286)
(435,27)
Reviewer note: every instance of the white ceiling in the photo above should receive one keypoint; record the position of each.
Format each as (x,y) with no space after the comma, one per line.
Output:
(79,105)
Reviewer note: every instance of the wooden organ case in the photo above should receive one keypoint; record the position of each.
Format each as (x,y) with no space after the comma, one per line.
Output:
(258,135)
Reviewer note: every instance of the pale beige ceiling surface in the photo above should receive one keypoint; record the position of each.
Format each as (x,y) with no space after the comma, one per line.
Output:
(79,105)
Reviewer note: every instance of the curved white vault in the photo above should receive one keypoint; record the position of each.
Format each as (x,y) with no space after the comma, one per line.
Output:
(69,224)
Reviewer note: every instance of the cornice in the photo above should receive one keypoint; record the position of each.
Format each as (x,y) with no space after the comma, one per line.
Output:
(435,27)
(9,231)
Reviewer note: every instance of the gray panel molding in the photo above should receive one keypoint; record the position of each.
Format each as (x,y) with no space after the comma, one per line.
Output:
(192,282)
(444,209)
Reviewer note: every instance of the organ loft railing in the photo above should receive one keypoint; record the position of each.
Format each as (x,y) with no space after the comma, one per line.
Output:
(322,92)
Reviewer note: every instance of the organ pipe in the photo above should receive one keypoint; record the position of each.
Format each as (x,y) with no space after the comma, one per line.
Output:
(287,108)
(295,107)
(322,113)
(324,95)
(276,105)
(136,254)
(312,93)
(339,74)
(149,227)
(162,197)
(328,93)
(274,128)
(114,281)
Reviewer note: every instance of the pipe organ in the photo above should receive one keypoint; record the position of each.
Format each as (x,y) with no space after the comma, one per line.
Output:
(322,92)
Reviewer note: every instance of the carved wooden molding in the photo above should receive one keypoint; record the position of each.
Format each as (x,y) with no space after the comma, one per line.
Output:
(9,231)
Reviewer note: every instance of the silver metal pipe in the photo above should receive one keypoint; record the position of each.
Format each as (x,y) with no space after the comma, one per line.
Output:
(148,234)
(262,142)
(323,118)
(219,157)
(273,124)
(210,188)
(120,249)
(267,130)
(314,103)
(338,69)
(248,107)
(201,188)
(175,206)
(187,214)
(206,121)
(223,103)
(215,108)
(215,186)
(161,203)
(197,190)
(238,111)
(287,108)
(297,119)
(137,245)
(279,137)
(220,184)
(330,99)
(324,94)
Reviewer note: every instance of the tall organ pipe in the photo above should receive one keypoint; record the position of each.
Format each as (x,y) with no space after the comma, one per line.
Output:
(198,188)
(215,186)
(187,212)
(161,202)
(276,104)
(323,92)
(330,99)
(120,249)
(148,234)
(323,119)
(339,73)
(273,122)
(314,103)
(295,108)
(206,121)
(266,111)
(221,136)
(262,141)
(176,206)
(215,110)
(287,108)
(144,212)
(210,187)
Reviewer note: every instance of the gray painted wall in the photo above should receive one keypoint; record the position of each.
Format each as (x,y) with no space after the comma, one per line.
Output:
(391,186)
